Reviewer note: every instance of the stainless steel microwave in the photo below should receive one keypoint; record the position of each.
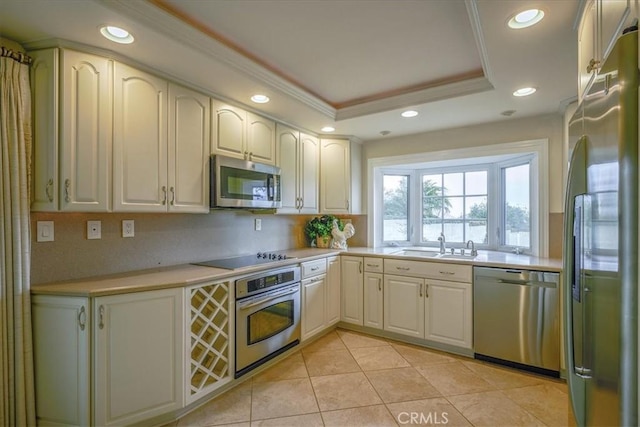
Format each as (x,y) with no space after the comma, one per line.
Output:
(236,183)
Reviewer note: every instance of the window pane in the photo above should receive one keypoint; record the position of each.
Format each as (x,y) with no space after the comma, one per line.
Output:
(516,208)
(475,183)
(431,230)
(476,207)
(476,231)
(454,231)
(453,184)
(433,183)
(432,207)
(395,208)
(454,207)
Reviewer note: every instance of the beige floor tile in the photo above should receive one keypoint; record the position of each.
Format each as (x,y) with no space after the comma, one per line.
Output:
(321,363)
(231,407)
(371,358)
(401,384)
(373,416)
(247,424)
(282,399)
(493,409)
(308,420)
(356,340)
(417,356)
(502,377)
(288,369)
(436,411)
(453,378)
(544,401)
(330,341)
(344,391)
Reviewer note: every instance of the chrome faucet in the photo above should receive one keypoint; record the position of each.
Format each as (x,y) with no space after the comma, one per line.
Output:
(474,252)
(442,241)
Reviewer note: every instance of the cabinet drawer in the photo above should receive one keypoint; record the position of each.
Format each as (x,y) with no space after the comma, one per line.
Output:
(373,265)
(432,270)
(313,268)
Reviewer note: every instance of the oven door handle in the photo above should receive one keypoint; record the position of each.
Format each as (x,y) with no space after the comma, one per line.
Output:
(263,300)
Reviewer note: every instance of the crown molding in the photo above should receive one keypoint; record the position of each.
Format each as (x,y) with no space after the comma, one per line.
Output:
(478,35)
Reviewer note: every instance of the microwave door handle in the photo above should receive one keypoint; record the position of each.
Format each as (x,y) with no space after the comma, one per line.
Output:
(267,299)
(270,187)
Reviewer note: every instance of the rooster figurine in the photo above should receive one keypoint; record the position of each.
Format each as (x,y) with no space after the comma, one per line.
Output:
(340,236)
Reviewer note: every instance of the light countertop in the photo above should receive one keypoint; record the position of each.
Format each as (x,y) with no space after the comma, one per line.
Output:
(188,274)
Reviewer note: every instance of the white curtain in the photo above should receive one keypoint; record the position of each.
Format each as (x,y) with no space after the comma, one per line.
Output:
(17,407)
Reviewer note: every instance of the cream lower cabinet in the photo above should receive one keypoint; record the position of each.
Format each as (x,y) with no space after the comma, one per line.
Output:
(112,360)
(373,300)
(333,290)
(418,303)
(317,293)
(352,275)
(448,313)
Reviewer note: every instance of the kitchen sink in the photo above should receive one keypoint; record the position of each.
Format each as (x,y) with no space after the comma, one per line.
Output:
(432,254)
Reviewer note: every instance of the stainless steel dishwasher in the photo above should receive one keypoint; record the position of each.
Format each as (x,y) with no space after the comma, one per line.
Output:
(516,319)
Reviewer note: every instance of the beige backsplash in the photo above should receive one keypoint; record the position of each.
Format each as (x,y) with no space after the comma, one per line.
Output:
(162,240)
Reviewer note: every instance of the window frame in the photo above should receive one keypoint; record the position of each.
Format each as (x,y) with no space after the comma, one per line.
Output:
(538,150)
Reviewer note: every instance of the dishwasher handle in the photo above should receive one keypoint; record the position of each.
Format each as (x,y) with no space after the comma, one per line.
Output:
(528,283)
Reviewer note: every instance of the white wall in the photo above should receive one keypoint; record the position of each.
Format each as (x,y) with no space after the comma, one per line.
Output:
(549,126)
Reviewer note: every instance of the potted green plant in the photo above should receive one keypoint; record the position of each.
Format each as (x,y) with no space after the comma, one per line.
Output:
(318,230)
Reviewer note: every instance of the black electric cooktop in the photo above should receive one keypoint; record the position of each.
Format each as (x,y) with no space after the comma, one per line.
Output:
(246,260)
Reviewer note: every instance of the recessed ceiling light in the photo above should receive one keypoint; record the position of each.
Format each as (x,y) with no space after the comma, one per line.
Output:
(525,91)
(328,129)
(116,34)
(260,99)
(526,19)
(409,113)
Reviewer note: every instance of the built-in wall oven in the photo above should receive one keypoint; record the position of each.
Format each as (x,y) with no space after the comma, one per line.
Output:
(267,316)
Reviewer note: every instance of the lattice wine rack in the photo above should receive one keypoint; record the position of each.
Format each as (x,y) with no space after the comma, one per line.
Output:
(210,341)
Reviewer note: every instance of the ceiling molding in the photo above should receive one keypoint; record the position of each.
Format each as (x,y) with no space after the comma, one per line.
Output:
(162,21)
(431,94)
(478,35)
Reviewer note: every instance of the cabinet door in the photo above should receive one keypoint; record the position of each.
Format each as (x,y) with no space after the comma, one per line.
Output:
(140,141)
(85,132)
(138,356)
(189,145)
(614,16)
(352,290)
(448,313)
(313,305)
(309,175)
(44,90)
(261,139)
(373,300)
(287,159)
(404,305)
(587,54)
(230,137)
(335,176)
(61,356)
(333,290)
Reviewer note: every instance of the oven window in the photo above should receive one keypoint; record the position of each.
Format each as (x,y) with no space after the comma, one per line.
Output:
(269,321)
(243,184)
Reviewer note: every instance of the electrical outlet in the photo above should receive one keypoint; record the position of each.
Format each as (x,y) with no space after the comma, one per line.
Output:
(94,230)
(258,224)
(128,228)
(45,231)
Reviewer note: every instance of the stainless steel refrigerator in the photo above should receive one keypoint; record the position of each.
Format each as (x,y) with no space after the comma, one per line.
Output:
(601,245)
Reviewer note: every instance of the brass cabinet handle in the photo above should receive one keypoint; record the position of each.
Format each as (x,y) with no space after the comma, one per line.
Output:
(447,273)
(404,268)
(164,197)
(380,284)
(48,189)
(173,195)
(593,64)
(360,266)
(347,204)
(426,290)
(420,290)
(82,318)
(67,184)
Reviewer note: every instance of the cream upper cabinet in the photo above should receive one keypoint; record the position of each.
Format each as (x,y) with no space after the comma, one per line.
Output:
(72,99)
(352,276)
(45,115)
(601,23)
(139,141)
(297,155)
(189,148)
(244,135)
(340,176)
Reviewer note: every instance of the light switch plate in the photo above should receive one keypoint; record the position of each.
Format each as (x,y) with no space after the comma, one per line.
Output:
(128,229)
(258,224)
(45,231)
(94,230)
